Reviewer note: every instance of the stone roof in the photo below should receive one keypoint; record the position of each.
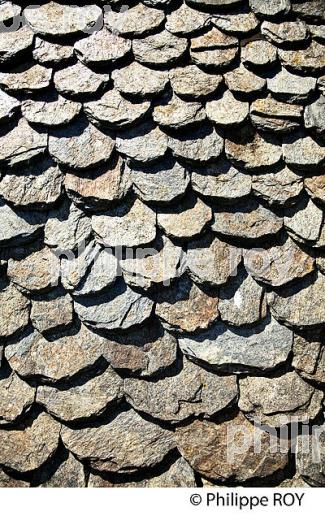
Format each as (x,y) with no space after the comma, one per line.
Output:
(162,240)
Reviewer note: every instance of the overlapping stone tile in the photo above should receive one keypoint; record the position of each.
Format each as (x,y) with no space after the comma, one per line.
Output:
(16,397)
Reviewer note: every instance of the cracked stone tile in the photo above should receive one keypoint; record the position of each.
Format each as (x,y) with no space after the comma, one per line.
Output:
(206,446)
(134,22)
(270,115)
(138,80)
(27,449)
(213,39)
(289,87)
(281,188)
(259,54)
(9,107)
(244,82)
(200,145)
(270,9)
(16,397)
(314,117)
(242,301)
(184,307)
(285,34)
(263,346)
(82,401)
(211,261)
(206,55)
(309,358)
(114,111)
(186,221)
(74,268)
(49,53)
(279,400)
(177,114)
(98,190)
(38,185)
(14,44)
(186,21)
(54,19)
(300,306)
(143,143)
(310,457)
(190,82)
(249,221)
(130,225)
(161,49)
(38,272)
(146,351)
(126,444)
(101,275)
(179,474)
(77,80)
(67,227)
(304,222)
(52,311)
(252,150)
(315,186)
(26,79)
(306,61)
(18,226)
(56,359)
(220,180)
(163,182)
(50,110)
(119,309)
(192,392)
(278,264)
(227,111)
(236,23)
(102,48)
(21,143)
(14,311)
(80,146)
(158,268)
(70,474)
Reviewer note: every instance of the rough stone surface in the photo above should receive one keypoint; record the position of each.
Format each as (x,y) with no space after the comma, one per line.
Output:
(14,310)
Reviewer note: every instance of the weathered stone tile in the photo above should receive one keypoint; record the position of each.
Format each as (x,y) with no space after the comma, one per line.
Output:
(80,146)
(18,226)
(281,188)
(54,19)
(59,358)
(126,444)
(190,82)
(118,309)
(102,48)
(315,186)
(314,117)
(77,80)
(21,143)
(101,275)
(49,53)
(271,8)
(186,21)
(161,49)
(200,145)
(27,449)
(278,264)
(143,143)
(285,34)
(279,400)
(289,87)
(184,307)
(243,349)
(304,222)
(311,10)
(37,272)
(137,80)
(52,311)
(252,150)
(306,61)
(161,183)
(270,115)
(227,111)
(220,180)
(130,225)
(300,306)
(50,110)
(75,267)
(9,107)
(67,228)
(236,23)
(211,261)
(310,457)
(135,21)
(14,44)
(177,114)
(186,221)
(192,392)
(309,357)
(82,401)
(259,54)
(26,79)
(9,482)
(14,310)
(244,82)
(99,189)
(16,397)
(70,474)
(215,451)
(248,221)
